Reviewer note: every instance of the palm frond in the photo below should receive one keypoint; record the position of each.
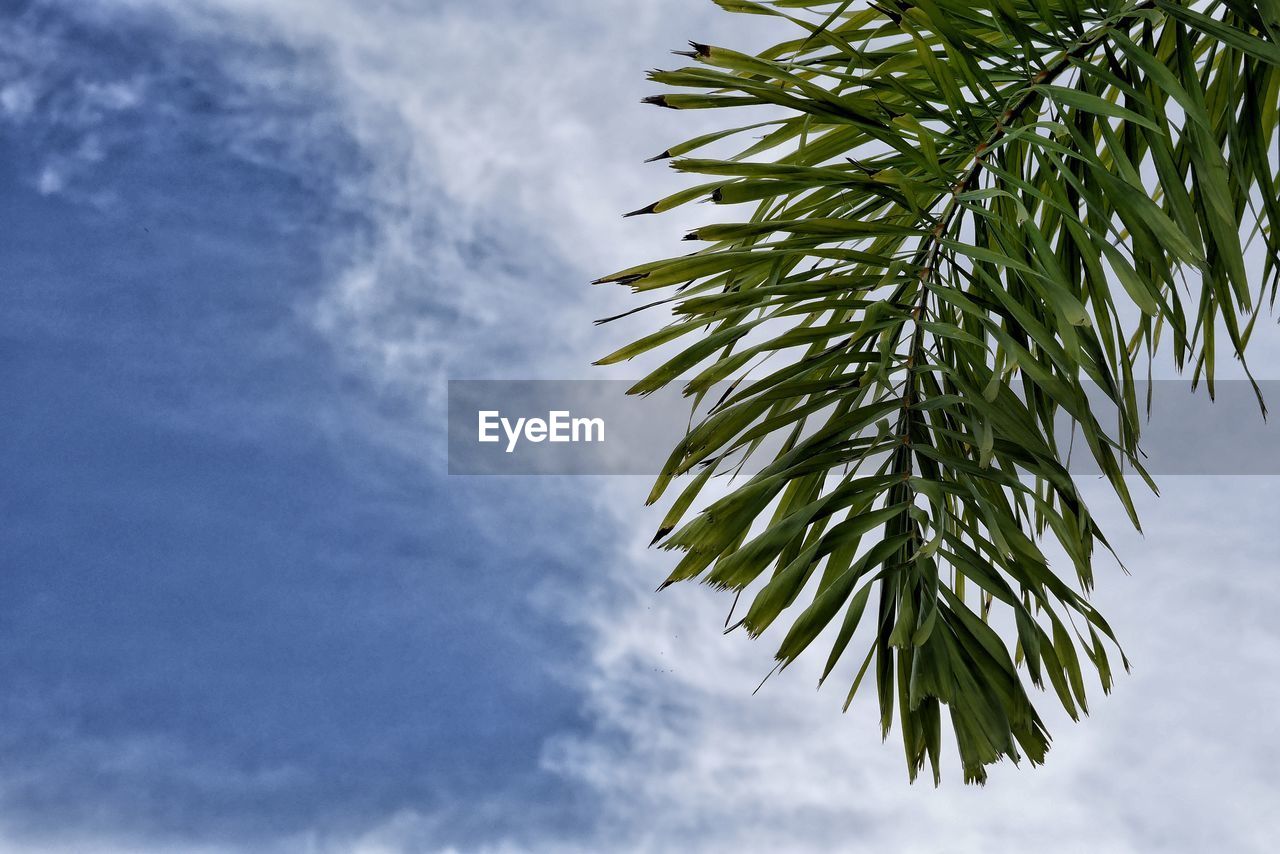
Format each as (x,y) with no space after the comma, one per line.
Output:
(967,214)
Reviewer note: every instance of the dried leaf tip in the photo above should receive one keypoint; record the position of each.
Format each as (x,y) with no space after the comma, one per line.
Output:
(621,280)
(891,14)
(657,101)
(700,51)
(647,209)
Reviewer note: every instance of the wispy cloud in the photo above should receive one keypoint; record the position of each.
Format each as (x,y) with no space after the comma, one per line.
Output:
(497,145)
(1175,760)
(502,141)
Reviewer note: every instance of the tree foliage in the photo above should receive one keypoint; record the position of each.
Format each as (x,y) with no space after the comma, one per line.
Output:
(966,214)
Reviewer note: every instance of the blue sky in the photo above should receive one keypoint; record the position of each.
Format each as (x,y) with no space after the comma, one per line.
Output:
(242,607)
(207,562)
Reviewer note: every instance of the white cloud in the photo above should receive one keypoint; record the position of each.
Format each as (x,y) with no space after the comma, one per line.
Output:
(502,158)
(1178,759)
(17,99)
(31,58)
(504,145)
(50,181)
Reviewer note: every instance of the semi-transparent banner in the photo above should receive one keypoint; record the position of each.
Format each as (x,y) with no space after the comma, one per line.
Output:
(592,427)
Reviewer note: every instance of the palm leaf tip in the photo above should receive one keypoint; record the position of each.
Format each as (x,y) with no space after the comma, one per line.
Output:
(644,211)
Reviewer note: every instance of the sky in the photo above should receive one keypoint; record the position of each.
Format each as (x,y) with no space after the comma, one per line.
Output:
(243,607)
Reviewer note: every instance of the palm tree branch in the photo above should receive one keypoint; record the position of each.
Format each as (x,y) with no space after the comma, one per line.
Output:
(921,243)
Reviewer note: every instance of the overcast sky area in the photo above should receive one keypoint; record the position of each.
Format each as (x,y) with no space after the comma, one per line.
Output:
(243,608)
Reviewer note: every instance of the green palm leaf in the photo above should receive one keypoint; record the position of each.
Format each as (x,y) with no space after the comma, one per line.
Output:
(967,214)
